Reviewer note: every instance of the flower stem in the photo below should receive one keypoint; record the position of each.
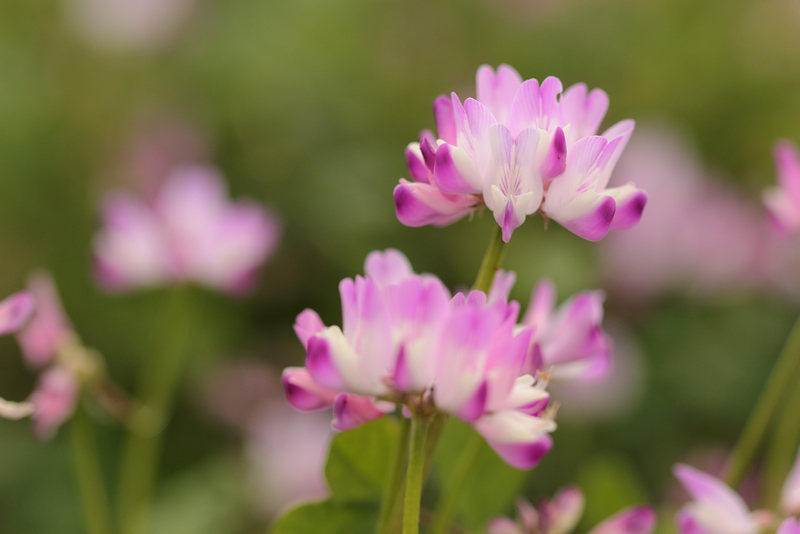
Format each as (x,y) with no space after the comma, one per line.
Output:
(91,485)
(786,368)
(415,475)
(458,479)
(783,448)
(492,261)
(387,524)
(159,380)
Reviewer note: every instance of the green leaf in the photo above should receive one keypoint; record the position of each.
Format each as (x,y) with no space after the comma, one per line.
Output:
(327,517)
(358,461)
(491,488)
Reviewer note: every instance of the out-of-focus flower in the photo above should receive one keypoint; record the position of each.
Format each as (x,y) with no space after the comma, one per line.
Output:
(519,148)
(49,328)
(783,201)
(698,233)
(53,400)
(406,341)
(15,312)
(119,25)
(717,509)
(561,516)
(285,450)
(192,232)
(790,526)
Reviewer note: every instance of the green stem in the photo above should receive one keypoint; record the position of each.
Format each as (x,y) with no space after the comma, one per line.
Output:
(783,448)
(458,479)
(787,366)
(160,377)
(91,486)
(492,261)
(415,475)
(391,494)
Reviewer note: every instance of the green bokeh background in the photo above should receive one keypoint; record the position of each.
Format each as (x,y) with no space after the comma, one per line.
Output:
(307,106)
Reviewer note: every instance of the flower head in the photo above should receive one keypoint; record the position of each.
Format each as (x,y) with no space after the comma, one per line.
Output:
(406,341)
(192,232)
(49,328)
(519,148)
(562,514)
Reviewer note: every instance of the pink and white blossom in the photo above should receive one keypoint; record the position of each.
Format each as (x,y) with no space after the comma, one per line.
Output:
(191,232)
(521,148)
(783,201)
(406,340)
(715,508)
(562,514)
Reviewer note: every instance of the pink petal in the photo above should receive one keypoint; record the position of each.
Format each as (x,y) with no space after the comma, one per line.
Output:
(351,411)
(474,406)
(562,514)
(790,495)
(555,162)
(501,286)
(53,400)
(321,364)
(416,164)
(722,508)
(787,162)
(418,204)
(445,119)
(496,91)
(523,455)
(308,324)
(455,172)
(503,525)
(583,113)
(686,524)
(790,526)
(387,267)
(15,311)
(636,520)
(303,393)
(525,109)
(589,215)
(630,205)
(49,327)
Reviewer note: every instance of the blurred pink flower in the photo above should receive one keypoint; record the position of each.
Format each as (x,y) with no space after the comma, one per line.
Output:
(15,311)
(562,514)
(53,400)
(790,526)
(698,233)
(192,232)
(49,328)
(120,25)
(406,341)
(520,148)
(717,509)
(783,201)
(285,450)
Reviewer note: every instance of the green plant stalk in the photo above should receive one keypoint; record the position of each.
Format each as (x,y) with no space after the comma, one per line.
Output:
(394,484)
(415,475)
(783,447)
(458,480)
(93,494)
(492,261)
(160,377)
(785,369)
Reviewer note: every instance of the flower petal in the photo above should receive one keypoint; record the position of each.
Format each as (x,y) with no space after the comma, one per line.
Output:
(790,495)
(496,91)
(630,205)
(303,393)
(635,520)
(15,312)
(418,204)
(53,400)
(523,455)
(445,119)
(308,324)
(351,411)
(455,171)
(387,267)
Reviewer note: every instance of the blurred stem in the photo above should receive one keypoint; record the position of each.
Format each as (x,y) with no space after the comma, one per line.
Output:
(387,524)
(492,261)
(786,368)
(415,475)
(452,493)
(160,377)
(783,448)
(91,485)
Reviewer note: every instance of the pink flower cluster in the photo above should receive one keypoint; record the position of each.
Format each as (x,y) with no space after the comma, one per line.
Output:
(42,331)
(191,232)
(520,148)
(406,340)
(562,514)
(717,509)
